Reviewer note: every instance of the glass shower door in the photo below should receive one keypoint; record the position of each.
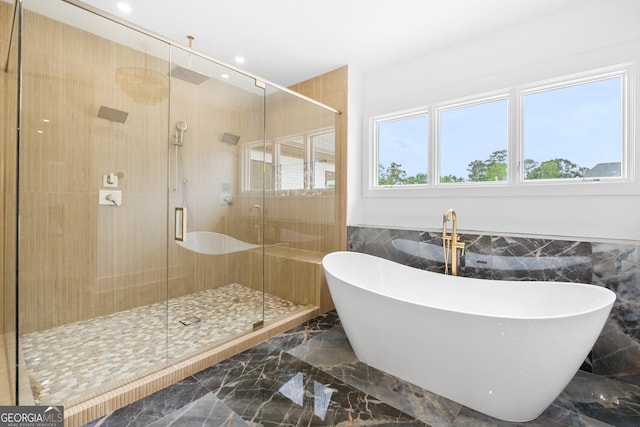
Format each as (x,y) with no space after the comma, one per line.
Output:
(301,222)
(92,204)
(215,243)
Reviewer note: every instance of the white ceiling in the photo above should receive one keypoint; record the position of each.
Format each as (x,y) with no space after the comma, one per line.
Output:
(288,41)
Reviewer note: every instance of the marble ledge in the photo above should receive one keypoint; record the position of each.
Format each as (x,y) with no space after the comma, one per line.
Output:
(633,242)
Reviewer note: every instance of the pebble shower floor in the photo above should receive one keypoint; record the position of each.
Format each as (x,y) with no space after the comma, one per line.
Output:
(77,361)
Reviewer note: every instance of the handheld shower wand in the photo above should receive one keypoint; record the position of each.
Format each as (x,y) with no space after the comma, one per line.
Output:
(182,128)
(178,141)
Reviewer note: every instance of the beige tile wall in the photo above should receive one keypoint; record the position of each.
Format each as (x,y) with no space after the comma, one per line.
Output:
(71,249)
(331,89)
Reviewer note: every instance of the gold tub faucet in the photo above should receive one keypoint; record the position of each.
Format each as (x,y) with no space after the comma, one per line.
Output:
(450,243)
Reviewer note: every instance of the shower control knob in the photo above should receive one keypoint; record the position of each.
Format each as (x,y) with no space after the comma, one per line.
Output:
(110,180)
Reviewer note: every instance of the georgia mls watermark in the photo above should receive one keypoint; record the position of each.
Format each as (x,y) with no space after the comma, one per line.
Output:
(31,416)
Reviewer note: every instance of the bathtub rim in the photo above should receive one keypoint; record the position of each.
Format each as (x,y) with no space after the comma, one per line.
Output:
(607,296)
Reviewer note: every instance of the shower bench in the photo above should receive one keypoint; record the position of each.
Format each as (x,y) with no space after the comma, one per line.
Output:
(293,274)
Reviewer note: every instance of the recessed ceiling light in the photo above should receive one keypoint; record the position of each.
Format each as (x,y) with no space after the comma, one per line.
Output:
(124,7)
(239,59)
(224,76)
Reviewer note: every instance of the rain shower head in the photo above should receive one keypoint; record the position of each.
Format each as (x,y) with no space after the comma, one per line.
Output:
(230,138)
(112,114)
(188,75)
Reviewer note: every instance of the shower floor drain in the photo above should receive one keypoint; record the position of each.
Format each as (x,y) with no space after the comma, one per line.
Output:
(190,320)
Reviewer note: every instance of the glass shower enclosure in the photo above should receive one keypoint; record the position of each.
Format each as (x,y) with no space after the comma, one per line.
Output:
(152,183)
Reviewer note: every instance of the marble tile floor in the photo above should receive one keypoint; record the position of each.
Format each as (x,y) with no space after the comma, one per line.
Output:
(309,376)
(77,361)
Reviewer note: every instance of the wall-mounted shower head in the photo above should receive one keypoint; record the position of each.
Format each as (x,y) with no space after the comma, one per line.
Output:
(230,138)
(112,114)
(181,129)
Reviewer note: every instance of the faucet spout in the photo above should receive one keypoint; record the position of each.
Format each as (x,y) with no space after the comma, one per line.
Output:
(451,243)
(450,215)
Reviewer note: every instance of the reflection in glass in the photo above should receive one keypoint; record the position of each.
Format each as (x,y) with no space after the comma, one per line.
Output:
(291,165)
(260,166)
(324,160)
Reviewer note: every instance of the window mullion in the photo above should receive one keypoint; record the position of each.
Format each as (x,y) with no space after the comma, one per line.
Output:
(309,163)
(516,159)
(436,145)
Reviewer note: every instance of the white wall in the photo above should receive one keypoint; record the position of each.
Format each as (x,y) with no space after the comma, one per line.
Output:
(597,34)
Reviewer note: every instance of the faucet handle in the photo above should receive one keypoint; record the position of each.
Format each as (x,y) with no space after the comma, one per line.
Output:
(112,199)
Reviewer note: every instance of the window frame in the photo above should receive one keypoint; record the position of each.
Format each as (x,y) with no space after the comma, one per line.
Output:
(515,185)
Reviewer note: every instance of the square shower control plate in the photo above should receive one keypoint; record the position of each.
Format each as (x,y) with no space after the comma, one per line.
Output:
(110,198)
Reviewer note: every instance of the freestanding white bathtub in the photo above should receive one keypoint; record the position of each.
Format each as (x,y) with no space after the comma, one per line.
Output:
(503,348)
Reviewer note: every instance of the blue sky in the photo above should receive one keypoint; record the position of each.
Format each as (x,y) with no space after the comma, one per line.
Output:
(472,133)
(404,143)
(580,123)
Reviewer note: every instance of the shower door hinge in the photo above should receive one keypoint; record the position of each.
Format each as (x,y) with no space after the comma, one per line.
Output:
(258,325)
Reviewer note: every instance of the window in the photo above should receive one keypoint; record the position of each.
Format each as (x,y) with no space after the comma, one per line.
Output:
(402,150)
(573,131)
(298,163)
(568,131)
(474,142)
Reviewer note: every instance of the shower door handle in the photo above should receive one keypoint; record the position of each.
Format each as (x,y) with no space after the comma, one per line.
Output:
(180,224)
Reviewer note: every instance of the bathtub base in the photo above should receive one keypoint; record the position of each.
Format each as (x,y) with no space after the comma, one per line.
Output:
(516,393)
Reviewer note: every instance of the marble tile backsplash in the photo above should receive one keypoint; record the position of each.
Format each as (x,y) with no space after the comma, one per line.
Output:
(616,266)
